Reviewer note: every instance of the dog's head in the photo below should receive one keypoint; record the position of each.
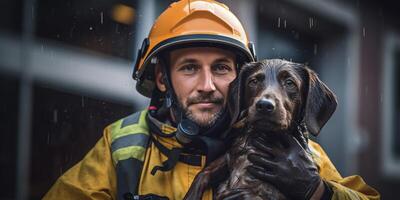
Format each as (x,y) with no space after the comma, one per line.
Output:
(277,94)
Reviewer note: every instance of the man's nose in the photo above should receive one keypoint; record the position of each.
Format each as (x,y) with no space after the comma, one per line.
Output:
(206,82)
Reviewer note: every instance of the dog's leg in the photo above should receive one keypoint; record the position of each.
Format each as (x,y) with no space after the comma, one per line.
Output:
(209,176)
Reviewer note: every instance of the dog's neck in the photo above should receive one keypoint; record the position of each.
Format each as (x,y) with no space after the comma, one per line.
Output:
(295,130)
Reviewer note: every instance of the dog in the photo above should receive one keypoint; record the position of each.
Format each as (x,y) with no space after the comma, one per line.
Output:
(269,98)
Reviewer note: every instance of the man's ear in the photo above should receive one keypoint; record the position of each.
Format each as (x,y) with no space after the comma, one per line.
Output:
(320,104)
(159,78)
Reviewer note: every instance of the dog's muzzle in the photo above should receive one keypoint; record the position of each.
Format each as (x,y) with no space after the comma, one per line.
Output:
(265,106)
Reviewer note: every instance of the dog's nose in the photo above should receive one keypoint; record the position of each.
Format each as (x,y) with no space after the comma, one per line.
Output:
(265,105)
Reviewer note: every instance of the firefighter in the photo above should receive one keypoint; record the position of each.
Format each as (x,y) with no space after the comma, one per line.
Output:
(185,65)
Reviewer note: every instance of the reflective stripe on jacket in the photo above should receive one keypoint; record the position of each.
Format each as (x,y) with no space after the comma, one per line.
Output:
(95,177)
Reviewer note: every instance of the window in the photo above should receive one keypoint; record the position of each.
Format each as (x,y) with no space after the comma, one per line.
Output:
(101,25)
(291,32)
(396,115)
(391,106)
(11,16)
(9,88)
(65,127)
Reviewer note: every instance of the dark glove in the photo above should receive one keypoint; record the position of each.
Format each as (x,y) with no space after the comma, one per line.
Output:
(287,166)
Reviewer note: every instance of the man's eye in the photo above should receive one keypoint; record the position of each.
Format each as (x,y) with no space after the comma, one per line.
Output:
(222,69)
(189,68)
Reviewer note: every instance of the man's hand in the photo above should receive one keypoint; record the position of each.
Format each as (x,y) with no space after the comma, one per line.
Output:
(288,167)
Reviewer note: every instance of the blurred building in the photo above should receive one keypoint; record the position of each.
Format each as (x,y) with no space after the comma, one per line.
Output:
(65,73)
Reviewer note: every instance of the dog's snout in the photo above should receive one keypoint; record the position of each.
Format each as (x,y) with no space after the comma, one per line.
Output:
(265,105)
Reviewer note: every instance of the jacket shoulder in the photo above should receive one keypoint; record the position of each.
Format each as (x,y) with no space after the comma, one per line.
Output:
(129,137)
(133,123)
(326,168)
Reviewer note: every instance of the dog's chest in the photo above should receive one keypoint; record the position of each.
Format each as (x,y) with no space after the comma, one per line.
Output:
(240,178)
(238,162)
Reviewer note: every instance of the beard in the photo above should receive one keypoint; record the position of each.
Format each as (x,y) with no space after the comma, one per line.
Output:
(204,118)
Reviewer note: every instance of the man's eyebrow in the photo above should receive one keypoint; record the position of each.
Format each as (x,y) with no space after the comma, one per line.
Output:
(224,59)
(186,60)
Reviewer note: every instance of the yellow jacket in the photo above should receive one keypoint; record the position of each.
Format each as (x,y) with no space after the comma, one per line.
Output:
(94,177)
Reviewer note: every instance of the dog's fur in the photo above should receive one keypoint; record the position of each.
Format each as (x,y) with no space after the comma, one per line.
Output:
(269,98)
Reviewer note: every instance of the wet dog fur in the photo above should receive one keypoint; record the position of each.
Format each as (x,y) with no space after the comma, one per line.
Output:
(269,98)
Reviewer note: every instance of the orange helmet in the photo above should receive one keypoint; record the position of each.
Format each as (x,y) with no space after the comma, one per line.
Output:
(193,23)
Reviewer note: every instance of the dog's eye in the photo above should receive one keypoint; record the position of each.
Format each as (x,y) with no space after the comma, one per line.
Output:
(253,82)
(289,83)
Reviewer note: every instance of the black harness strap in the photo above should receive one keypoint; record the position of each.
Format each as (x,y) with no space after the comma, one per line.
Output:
(190,159)
(128,176)
(170,163)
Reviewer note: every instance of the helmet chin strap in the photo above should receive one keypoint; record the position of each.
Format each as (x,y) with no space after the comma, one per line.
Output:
(171,100)
(189,134)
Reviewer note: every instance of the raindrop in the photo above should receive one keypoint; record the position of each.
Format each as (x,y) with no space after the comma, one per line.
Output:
(315,49)
(363,31)
(55,116)
(273,48)
(279,22)
(284,23)
(311,22)
(101,17)
(90,28)
(41,48)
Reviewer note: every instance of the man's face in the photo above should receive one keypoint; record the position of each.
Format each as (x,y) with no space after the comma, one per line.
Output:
(201,77)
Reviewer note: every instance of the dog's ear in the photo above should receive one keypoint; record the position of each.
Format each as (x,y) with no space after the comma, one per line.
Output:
(236,101)
(320,103)
(233,104)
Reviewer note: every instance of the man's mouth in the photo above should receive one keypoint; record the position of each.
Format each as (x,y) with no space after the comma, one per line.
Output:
(213,102)
(206,104)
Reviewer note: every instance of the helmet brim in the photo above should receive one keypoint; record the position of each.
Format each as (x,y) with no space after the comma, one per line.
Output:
(145,87)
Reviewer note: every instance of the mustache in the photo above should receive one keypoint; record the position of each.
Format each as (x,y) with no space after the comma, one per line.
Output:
(205,99)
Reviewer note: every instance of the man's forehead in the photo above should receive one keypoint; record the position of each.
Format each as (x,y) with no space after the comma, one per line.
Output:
(194,54)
